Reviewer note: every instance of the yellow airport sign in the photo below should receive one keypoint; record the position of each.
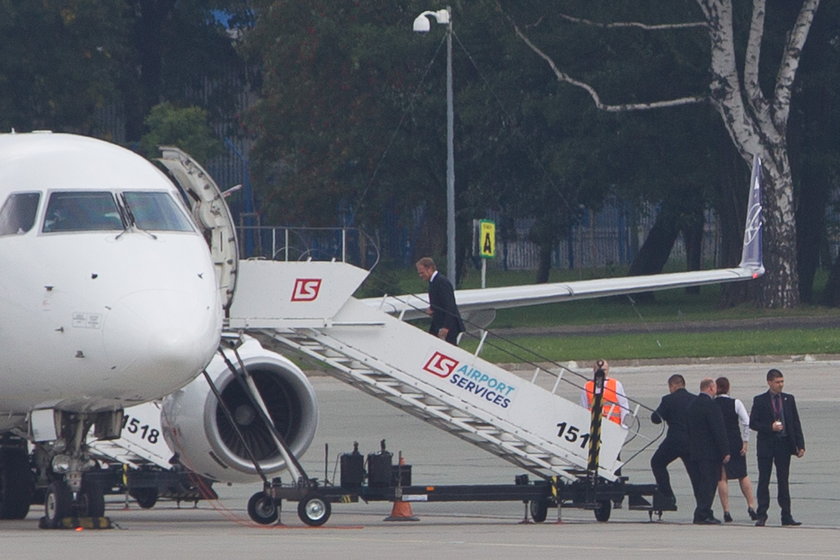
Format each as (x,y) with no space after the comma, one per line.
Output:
(487,239)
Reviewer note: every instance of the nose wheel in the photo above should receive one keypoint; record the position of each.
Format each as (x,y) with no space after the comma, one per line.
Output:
(59,504)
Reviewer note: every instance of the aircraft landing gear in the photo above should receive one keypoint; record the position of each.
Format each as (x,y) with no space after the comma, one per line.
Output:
(60,503)
(72,499)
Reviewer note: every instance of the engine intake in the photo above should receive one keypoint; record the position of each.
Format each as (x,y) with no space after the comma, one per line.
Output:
(199,431)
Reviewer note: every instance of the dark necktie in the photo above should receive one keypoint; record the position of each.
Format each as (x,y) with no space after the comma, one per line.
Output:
(777,406)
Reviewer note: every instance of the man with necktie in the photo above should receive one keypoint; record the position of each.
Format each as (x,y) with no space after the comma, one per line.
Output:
(775,418)
(446,320)
(708,449)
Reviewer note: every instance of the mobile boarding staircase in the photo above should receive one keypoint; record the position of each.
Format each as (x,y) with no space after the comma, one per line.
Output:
(139,463)
(309,307)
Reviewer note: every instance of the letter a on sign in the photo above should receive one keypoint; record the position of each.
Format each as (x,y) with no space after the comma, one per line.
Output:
(487,244)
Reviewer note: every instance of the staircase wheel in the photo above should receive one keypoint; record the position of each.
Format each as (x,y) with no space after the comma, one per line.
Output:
(262,509)
(602,512)
(314,510)
(539,510)
(146,498)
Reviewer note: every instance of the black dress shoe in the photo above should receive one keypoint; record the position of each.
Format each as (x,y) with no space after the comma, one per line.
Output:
(707,521)
(726,517)
(761,521)
(791,522)
(753,515)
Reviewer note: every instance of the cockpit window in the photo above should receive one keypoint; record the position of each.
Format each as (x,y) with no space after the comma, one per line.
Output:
(82,211)
(156,211)
(18,213)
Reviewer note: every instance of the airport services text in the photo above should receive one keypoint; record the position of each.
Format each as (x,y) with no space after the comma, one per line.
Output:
(470,379)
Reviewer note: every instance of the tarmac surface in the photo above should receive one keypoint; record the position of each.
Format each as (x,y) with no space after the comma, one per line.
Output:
(485,530)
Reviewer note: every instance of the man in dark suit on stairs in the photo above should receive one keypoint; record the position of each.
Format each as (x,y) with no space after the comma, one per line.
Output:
(446,320)
(708,450)
(775,417)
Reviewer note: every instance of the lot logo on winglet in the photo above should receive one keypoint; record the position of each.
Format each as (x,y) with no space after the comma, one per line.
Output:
(441,365)
(306,289)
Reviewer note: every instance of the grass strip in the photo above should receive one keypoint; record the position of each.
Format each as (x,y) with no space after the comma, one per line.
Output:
(583,348)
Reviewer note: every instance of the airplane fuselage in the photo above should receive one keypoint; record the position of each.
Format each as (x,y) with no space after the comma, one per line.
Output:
(108,296)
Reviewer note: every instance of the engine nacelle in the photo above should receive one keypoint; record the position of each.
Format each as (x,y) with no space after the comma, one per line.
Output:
(197,429)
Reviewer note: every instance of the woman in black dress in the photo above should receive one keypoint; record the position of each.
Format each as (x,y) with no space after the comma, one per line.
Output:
(737,423)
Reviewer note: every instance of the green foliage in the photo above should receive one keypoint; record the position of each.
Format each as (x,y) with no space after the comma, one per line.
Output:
(64,65)
(186,128)
(352,113)
(337,76)
(60,62)
(786,342)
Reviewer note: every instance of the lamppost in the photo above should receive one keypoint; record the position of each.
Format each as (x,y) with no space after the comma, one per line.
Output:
(422,25)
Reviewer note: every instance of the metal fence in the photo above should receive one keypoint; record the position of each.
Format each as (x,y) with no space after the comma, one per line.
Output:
(349,245)
(609,237)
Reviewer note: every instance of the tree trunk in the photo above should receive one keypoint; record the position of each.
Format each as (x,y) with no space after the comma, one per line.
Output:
(832,287)
(758,126)
(810,229)
(732,193)
(657,246)
(692,232)
(544,267)
(780,284)
(656,249)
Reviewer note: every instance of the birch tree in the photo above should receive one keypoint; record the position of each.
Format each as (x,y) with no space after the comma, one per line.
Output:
(755,118)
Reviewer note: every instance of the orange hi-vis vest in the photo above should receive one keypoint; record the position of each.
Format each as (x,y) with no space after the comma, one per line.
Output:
(609,401)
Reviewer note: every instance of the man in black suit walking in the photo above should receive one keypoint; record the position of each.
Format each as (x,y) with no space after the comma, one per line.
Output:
(672,409)
(708,449)
(775,418)
(446,320)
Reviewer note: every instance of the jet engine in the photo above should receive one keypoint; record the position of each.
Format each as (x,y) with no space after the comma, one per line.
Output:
(205,441)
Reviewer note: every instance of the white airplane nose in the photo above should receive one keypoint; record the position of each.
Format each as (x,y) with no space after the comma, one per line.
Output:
(162,338)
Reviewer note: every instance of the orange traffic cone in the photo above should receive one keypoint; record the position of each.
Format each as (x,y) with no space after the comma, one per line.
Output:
(401,510)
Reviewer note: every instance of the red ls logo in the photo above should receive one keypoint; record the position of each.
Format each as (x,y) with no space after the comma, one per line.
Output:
(306,289)
(441,365)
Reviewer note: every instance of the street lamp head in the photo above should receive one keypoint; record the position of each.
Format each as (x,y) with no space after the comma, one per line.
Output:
(422,24)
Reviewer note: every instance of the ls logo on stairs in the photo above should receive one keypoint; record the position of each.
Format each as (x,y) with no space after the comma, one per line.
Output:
(306,289)
(441,365)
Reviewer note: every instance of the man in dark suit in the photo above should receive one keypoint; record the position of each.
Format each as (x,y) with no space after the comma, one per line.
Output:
(446,320)
(672,409)
(775,418)
(708,449)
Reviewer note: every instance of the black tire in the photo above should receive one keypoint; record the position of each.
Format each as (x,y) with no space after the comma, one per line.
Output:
(91,501)
(57,503)
(16,484)
(314,510)
(539,510)
(262,509)
(146,498)
(602,512)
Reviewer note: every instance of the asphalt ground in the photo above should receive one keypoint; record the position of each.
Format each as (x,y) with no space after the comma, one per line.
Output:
(485,530)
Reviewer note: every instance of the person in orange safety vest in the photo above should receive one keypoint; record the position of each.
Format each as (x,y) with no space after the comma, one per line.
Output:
(614,402)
